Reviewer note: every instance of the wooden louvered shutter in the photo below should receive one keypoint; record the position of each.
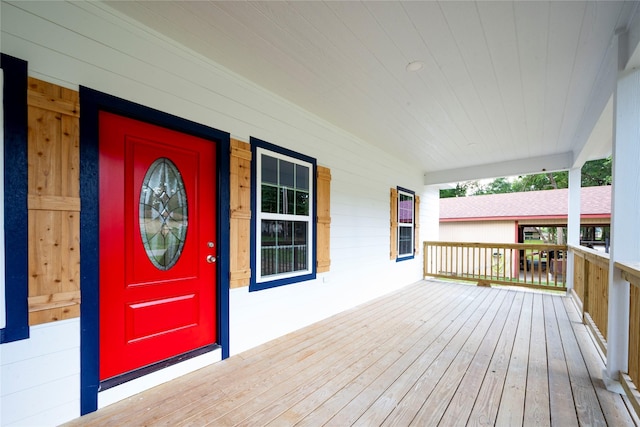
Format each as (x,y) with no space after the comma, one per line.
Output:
(240,215)
(393,253)
(323,253)
(53,202)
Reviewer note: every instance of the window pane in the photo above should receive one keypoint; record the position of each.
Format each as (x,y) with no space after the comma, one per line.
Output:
(302,203)
(405,241)
(285,233)
(302,177)
(162,212)
(405,209)
(287,201)
(269,198)
(284,247)
(269,169)
(286,174)
(300,233)
(268,251)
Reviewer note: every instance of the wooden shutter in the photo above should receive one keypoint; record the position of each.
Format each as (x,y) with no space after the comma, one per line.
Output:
(416,226)
(240,214)
(393,253)
(323,253)
(53,202)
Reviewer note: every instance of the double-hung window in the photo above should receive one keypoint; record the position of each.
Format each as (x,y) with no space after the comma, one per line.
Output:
(284,226)
(406,223)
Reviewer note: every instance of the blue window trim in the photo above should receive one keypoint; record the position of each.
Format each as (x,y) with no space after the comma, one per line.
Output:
(92,102)
(413,193)
(254,285)
(15,201)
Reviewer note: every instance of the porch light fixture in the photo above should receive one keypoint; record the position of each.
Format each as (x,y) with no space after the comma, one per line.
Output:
(414,66)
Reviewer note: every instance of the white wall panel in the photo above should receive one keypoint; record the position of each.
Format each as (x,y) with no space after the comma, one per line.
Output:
(41,376)
(479,232)
(88,44)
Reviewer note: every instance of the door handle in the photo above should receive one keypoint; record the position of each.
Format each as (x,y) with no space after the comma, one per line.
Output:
(211,259)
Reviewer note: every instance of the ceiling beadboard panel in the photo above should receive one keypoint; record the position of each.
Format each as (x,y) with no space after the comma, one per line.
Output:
(502,81)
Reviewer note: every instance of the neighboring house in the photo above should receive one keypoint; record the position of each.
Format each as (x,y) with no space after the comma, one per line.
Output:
(514,217)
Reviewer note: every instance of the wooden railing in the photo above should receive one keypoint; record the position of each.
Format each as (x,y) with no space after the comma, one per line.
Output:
(631,273)
(591,290)
(530,265)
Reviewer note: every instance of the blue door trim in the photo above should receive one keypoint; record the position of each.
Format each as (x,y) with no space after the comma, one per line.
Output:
(16,230)
(91,103)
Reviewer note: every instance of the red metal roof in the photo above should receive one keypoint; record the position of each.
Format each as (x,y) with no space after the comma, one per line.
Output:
(594,201)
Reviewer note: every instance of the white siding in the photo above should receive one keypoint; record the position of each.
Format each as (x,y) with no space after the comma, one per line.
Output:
(88,44)
(41,376)
(479,232)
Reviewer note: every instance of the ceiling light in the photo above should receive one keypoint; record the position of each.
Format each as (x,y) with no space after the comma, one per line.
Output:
(415,66)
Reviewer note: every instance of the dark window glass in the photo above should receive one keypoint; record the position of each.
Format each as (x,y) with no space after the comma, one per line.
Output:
(269,170)
(286,173)
(284,247)
(302,177)
(302,203)
(269,198)
(405,240)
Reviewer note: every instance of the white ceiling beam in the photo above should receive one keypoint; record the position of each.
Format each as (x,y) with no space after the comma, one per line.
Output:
(527,166)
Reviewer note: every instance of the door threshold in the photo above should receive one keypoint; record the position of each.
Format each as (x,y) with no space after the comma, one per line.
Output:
(119,388)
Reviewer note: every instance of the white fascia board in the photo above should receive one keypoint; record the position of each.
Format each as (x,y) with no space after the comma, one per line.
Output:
(532,165)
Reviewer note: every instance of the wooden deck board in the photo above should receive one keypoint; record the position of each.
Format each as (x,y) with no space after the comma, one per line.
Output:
(536,405)
(560,396)
(426,363)
(264,407)
(511,409)
(434,407)
(460,383)
(433,353)
(320,351)
(613,408)
(485,408)
(327,397)
(469,391)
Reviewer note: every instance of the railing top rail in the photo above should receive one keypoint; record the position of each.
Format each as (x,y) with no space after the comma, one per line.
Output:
(600,258)
(586,250)
(542,246)
(630,271)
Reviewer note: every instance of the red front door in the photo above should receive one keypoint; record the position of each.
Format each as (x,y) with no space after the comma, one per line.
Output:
(157,244)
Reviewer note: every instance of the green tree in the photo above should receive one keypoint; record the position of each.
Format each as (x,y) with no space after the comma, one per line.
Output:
(541,181)
(459,191)
(594,173)
(497,186)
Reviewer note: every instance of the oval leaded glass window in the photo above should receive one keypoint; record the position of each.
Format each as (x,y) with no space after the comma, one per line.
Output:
(163,213)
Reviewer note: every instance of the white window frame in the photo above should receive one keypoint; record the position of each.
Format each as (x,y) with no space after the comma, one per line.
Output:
(401,225)
(260,216)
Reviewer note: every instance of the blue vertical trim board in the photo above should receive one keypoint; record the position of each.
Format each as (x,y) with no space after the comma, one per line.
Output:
(15,200)
(253,285)
(92,102)
(408,257)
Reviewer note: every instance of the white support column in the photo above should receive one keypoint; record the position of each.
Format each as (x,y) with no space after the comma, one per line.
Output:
(573,219)
(625,212)
(430,213)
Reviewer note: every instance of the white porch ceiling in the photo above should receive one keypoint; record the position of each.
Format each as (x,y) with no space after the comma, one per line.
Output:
(504,83)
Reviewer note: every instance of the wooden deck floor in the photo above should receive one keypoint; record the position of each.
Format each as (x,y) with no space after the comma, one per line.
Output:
(431,354)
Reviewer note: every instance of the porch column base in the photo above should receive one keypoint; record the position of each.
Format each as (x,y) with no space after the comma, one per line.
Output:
(612,384)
